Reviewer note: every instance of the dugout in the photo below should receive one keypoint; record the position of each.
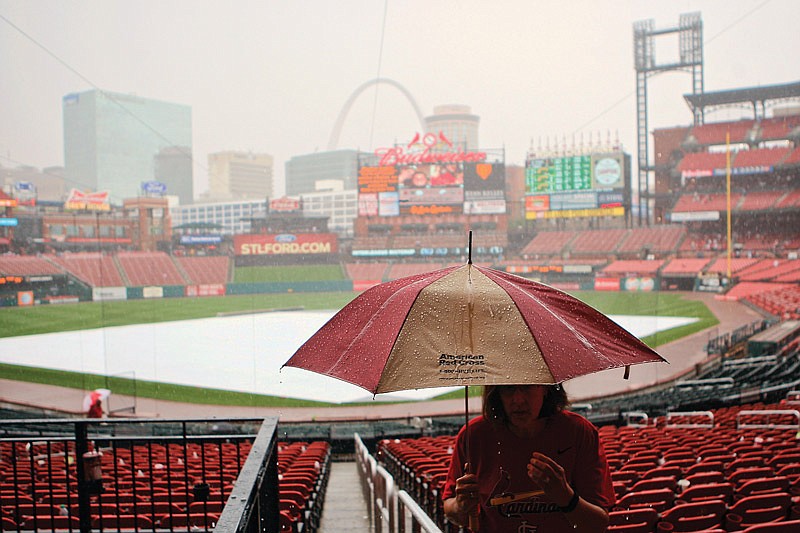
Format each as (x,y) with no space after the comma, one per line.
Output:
(39,289)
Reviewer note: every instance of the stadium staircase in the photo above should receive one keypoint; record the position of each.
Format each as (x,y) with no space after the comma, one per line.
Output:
(345,507)
(121,271)
(182,271)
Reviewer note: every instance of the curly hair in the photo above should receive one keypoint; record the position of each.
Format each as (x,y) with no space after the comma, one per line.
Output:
(555,400)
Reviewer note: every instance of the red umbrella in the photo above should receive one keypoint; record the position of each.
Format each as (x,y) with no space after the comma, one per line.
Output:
(466,325)
(94,396)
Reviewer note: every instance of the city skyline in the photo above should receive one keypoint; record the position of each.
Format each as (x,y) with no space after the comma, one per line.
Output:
(272,78)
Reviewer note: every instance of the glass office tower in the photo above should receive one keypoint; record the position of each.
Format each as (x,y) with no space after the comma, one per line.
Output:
(111,140)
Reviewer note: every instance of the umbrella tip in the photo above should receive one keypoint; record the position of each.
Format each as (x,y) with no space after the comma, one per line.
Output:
(469,248)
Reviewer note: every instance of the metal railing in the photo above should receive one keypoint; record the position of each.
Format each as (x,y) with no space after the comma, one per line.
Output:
(389,507)
(136,474)
(685,416)
(769,422)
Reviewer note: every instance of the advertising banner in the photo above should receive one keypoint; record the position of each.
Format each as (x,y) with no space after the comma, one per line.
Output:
(212,289)
(484,181)
(109,293)
(155,188)
(377,179)
(284,205)
(152,292)
(87,201)
(606,284)
(639,284)
(578,213)
(694,216)
(364,284)
(485,207)
(25,298)
(201,239)
(608,171)
(285,244)
(430,176)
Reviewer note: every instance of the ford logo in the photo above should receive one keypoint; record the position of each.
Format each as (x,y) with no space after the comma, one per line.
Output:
(285,238)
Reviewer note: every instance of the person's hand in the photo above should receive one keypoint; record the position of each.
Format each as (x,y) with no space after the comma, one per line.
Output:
(467,494)
(549,476)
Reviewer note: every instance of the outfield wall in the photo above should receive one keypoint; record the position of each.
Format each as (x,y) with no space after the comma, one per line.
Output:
(219,289)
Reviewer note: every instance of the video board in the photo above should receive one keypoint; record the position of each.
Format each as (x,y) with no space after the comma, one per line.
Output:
(577,186)
(431,188)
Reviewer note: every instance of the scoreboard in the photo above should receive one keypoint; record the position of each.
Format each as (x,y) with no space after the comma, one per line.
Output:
(586,185)
(560,174)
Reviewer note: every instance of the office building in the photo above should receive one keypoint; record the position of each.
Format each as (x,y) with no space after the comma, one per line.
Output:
(226,218)
(332,201)
(111,140)
(304,171)
(240,176)
(457,123)
(173,168)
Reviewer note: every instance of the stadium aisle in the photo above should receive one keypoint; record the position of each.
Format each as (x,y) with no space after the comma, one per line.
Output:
(345,508)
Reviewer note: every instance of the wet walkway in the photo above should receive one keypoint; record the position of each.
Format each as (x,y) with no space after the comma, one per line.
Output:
(345,509)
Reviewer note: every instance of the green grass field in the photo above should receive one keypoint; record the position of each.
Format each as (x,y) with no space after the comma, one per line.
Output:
(47,319)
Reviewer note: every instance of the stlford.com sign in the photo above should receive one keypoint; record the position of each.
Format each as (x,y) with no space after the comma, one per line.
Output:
(285,243)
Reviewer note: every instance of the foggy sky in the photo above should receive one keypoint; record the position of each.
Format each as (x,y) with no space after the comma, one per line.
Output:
(272,76)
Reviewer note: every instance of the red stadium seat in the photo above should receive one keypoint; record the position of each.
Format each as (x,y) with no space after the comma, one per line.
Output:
(791,526)
(287,523)
(41,522)
(759,509)
(698,516)
(658,499)
(632,521)
(708,491)
(123,521)
(763,485)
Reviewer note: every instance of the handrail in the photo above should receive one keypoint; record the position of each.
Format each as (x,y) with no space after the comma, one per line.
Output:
(706,382)
(388,506)
(793,397)
(767,412)
(707,414)
(641,415)
(747,361)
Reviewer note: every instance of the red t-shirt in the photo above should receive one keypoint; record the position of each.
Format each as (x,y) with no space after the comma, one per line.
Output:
(499,459)
(95,410)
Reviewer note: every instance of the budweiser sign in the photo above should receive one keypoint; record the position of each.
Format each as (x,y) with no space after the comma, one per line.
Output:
(410,155)
(87,201)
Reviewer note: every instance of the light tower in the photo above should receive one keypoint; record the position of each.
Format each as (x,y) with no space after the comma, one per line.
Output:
(690,57)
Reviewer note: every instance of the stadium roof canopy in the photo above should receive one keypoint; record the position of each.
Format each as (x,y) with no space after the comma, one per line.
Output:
(738,96)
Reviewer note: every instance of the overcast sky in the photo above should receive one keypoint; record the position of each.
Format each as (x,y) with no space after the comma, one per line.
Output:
(272,76)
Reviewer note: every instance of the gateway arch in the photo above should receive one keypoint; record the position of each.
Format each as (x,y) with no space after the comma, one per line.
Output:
(333,142)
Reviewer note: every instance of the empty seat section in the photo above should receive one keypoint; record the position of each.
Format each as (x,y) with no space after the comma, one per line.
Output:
(95,269)
(149,268)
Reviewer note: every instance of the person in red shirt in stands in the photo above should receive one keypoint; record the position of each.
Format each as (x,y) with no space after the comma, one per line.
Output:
(527,464)
(96,409)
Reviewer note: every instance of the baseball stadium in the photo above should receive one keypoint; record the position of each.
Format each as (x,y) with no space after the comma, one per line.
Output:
(182,332)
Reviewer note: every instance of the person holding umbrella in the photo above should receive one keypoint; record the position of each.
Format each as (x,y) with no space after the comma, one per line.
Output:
(93,403)
(527,464)
(528,461)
